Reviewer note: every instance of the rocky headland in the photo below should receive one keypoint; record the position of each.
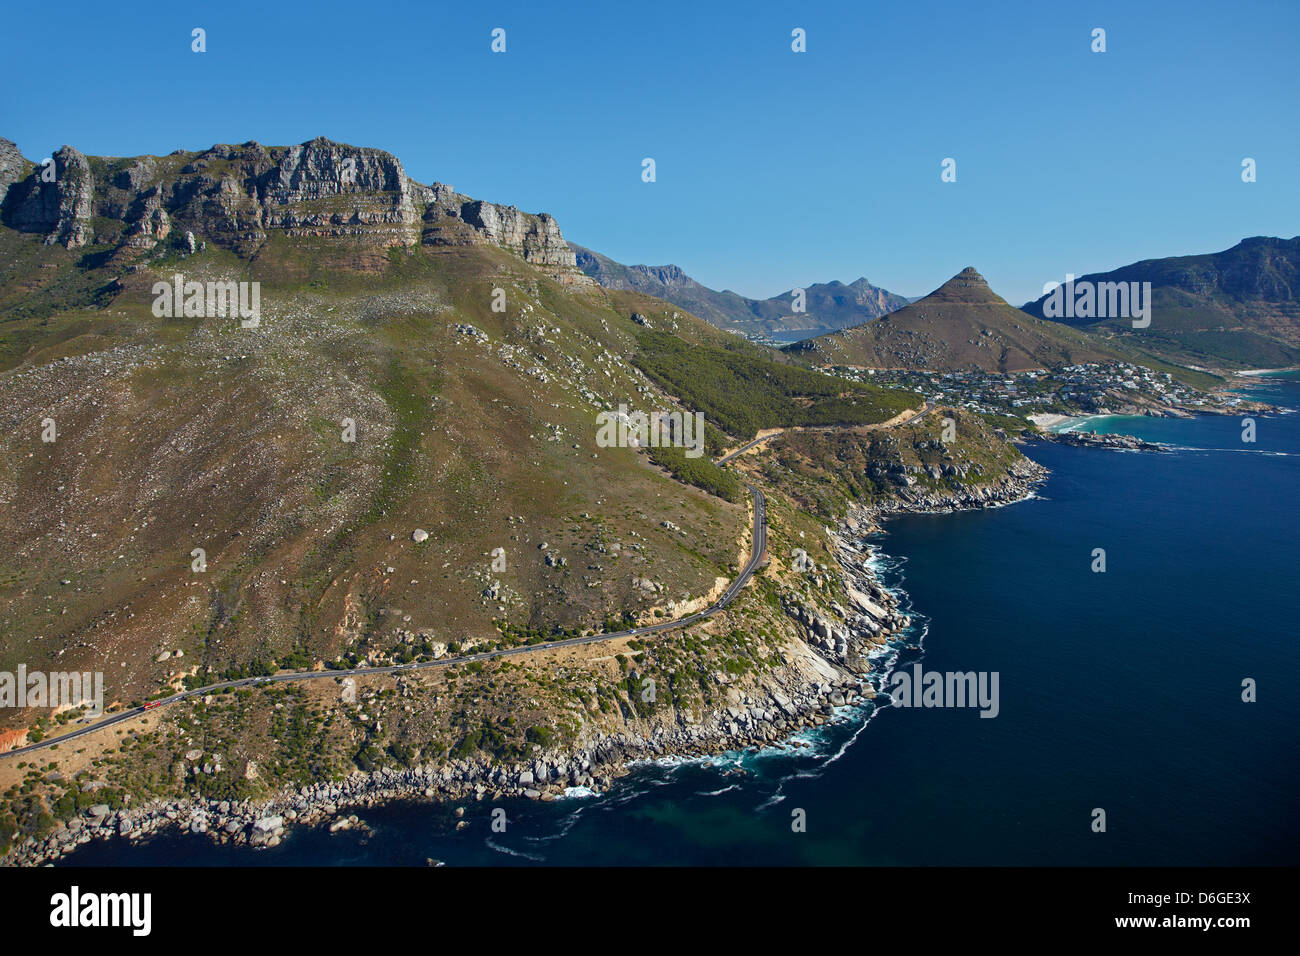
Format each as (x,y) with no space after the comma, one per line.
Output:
(1094,440)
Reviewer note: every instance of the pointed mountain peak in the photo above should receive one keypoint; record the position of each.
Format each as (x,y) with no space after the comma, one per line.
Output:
(966,286)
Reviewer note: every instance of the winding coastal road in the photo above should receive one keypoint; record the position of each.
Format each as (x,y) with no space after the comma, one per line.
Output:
(758,548)
(926,408)
(744,448)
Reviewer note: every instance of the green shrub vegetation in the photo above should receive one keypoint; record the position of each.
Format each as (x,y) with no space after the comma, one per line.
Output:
(744,393)
(699,472)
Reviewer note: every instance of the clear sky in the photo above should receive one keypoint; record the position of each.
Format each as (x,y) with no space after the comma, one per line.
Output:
(774,169)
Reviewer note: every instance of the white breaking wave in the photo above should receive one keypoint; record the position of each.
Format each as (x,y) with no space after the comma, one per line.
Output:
(509,852)
(1234,451)
(714,793)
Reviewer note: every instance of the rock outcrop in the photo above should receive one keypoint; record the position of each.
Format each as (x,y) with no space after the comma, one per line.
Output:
(1118,442)
(13,167)
(58,202)
(238,197)
(453,219)
(1015,484)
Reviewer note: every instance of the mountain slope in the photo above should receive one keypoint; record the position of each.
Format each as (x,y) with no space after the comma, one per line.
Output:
(962,324)
(1231,309)
(381,391)
(828,305)
(399,461)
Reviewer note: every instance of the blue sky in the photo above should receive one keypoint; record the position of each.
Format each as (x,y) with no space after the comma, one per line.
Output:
(774,169)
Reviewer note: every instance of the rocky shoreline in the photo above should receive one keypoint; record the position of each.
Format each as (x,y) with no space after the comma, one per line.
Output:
(1094,440)
(757,722)
(831,670)
(832,674)
(1017,484)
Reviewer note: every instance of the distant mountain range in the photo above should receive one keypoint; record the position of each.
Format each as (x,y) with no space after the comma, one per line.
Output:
(962,324)
(1227,310)
(828,305)
(1239,308)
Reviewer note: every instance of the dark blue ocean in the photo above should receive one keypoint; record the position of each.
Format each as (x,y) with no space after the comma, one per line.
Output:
(1119,690)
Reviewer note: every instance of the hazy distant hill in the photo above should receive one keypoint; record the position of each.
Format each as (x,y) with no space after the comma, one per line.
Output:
(1236,308)
(829,305)
(962,324)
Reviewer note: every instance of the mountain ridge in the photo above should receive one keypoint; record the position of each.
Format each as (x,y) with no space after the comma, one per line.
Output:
(828,305)
(960,325)
(238,196)
(1239,307)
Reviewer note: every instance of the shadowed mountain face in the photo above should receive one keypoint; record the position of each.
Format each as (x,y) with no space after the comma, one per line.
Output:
(962,324)
(827,305)
(1232,309)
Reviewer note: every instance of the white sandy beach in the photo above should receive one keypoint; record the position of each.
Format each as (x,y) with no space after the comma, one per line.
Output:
(1048,420)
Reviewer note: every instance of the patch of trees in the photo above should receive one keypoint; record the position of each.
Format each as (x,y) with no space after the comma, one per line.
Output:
(699,472)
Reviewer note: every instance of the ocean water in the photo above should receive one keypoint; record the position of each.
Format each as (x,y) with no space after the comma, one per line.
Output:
(1119,690)
(797,335)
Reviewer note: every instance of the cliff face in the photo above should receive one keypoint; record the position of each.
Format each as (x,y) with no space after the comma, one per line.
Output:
(237,197)
(12,165)
(453,219)
(61,208)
